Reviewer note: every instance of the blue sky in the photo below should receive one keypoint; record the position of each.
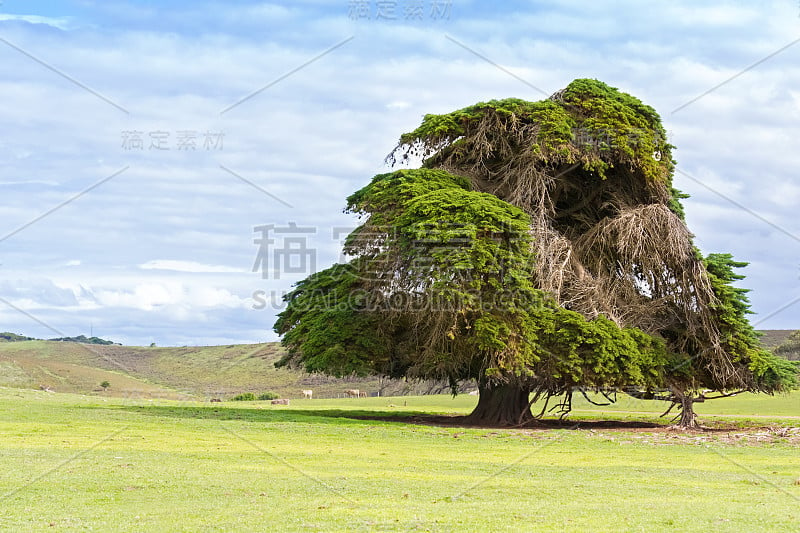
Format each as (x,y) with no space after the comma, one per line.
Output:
(157,244)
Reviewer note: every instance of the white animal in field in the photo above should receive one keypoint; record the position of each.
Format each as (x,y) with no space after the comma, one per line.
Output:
(308,393)
(473,393)
(353,393)
(362,394)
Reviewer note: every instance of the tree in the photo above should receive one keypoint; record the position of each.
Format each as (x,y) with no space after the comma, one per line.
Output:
(105,384)
(540,249)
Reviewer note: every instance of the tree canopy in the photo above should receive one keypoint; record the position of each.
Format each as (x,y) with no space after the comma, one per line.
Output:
(541,249)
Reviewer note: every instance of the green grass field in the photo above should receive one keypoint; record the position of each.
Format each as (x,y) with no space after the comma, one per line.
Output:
(87,463)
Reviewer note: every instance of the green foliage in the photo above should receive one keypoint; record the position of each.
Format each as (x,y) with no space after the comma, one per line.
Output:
(769,373)
(588,122)
(268,396)
(388,193)
(591,95)
(85,340)
(459,286)
(675,202)
(773,373)
(244,397)
(13,337)
(732,303)
(464,259)
(598,354)
(556,125)
(326,327)
(105,384)
(632,128)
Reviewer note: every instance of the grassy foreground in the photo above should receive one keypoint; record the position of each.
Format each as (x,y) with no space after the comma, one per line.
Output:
(77,463)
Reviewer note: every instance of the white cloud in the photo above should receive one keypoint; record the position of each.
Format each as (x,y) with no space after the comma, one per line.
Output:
(398,104)
(786,195)
(322,132)
(178,299)
(186,266)
(62,23)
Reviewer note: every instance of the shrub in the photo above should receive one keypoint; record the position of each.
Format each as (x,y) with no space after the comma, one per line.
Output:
(269,396)
(245,397)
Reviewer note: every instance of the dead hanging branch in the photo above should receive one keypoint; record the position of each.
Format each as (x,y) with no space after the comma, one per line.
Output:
(703,396)
(563,408)
(664,396)
(670,408)
(611,401)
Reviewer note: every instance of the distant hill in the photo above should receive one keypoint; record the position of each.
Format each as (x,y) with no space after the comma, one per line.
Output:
(789,346)
(13,337)
(771,338)
(198,372)
(84,340)
(80,364)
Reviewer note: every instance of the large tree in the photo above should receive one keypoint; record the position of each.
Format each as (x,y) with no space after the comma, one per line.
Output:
(541,249)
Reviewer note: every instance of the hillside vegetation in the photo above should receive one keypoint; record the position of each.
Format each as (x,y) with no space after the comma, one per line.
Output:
(193,372)
(7,336)
(196,372)
(772,338)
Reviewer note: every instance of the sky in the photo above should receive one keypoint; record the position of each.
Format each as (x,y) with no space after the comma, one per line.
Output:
(169,169)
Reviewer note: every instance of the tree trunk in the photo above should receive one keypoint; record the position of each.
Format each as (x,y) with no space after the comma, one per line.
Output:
(688,416)
(501,404)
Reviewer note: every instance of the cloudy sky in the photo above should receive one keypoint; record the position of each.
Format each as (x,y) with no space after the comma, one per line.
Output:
(147,146)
